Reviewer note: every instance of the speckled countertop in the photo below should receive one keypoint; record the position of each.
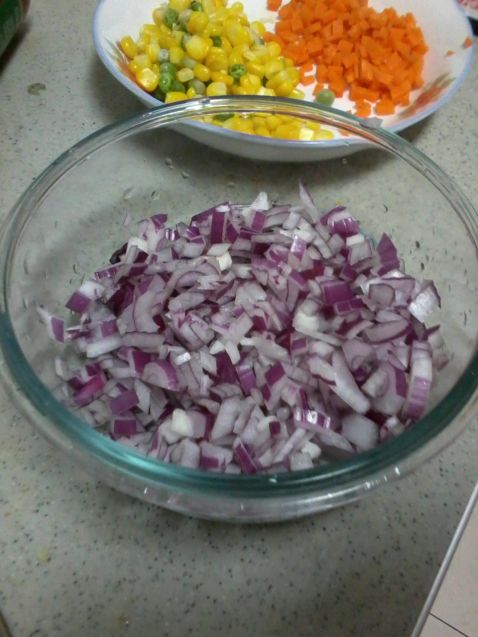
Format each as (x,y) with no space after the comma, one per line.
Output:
(79,559)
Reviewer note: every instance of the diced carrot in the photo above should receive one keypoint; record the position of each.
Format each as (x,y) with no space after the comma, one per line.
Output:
(307,80)
(363,109)
(376,56)
(306,76)
(385,107)
(397,92)
(322,73)
(345,46)
(314,46)
(283,27)
(467,43)
(273,5)
(337,27)
(394,61)
(315,27)
(296,23)
(337,86)
(286,11)
(383,78)
(317,88)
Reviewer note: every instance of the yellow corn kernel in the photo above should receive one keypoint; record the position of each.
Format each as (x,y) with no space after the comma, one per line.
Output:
(175,96)
(226,45)
(250,56)
(202,72)
(297,94)
(236,33)
(191,93)
(260,53)
(176,54)
(217,60)
(284,89)
(306,134)
(286,131)
(128,47)
(147,79)
(235,57)
(178,38)
(151,30)
(142,42)
(214,27)
(250,82)
(139,62)
(244,126)
(293,73)
(262,130)
(278,78)
(273,67)
(238,90)
(197,47)
(208,6)
(273,49)
(272,122)
(222,76)
(266,91)
(158,16)
(155,68)
(258,120)
(323,133)
(237,7)
(197,22)
(288,62)
(216,88)
(258,27)
(255,68)
(184,75)
(152,51)
(179,5)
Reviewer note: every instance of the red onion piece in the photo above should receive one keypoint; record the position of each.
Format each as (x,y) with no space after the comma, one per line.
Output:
(256,338)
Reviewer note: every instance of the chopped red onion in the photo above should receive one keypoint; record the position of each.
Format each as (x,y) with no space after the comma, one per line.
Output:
(256,338)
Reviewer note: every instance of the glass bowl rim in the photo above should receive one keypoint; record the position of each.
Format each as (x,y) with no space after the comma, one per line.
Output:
(384,459)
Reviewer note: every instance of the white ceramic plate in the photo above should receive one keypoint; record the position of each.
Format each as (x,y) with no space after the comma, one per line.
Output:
(443,23)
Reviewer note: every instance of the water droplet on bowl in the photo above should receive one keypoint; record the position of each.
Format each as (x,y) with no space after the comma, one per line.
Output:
(169,162)
(128,193)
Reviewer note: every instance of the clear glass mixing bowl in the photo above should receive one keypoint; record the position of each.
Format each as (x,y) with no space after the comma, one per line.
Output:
(71,219)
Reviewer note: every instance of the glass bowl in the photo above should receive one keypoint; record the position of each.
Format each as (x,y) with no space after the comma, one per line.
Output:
(71,219)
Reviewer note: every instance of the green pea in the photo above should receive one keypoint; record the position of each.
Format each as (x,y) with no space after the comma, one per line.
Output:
(184,17)
(159,95)
(169,68)
(171,18)
(216,40)
(188,62)
(196,6)
(198,86)
(237,71)
(166,81)
(223,117)
(325,97)
(178,87)
(163,55)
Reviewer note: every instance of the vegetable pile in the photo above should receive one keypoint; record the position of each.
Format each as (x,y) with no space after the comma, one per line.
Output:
(346,44)
(256,338)
(341,47)
(206,48)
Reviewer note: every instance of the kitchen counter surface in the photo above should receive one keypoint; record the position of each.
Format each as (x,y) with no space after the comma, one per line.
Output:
(78,559)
